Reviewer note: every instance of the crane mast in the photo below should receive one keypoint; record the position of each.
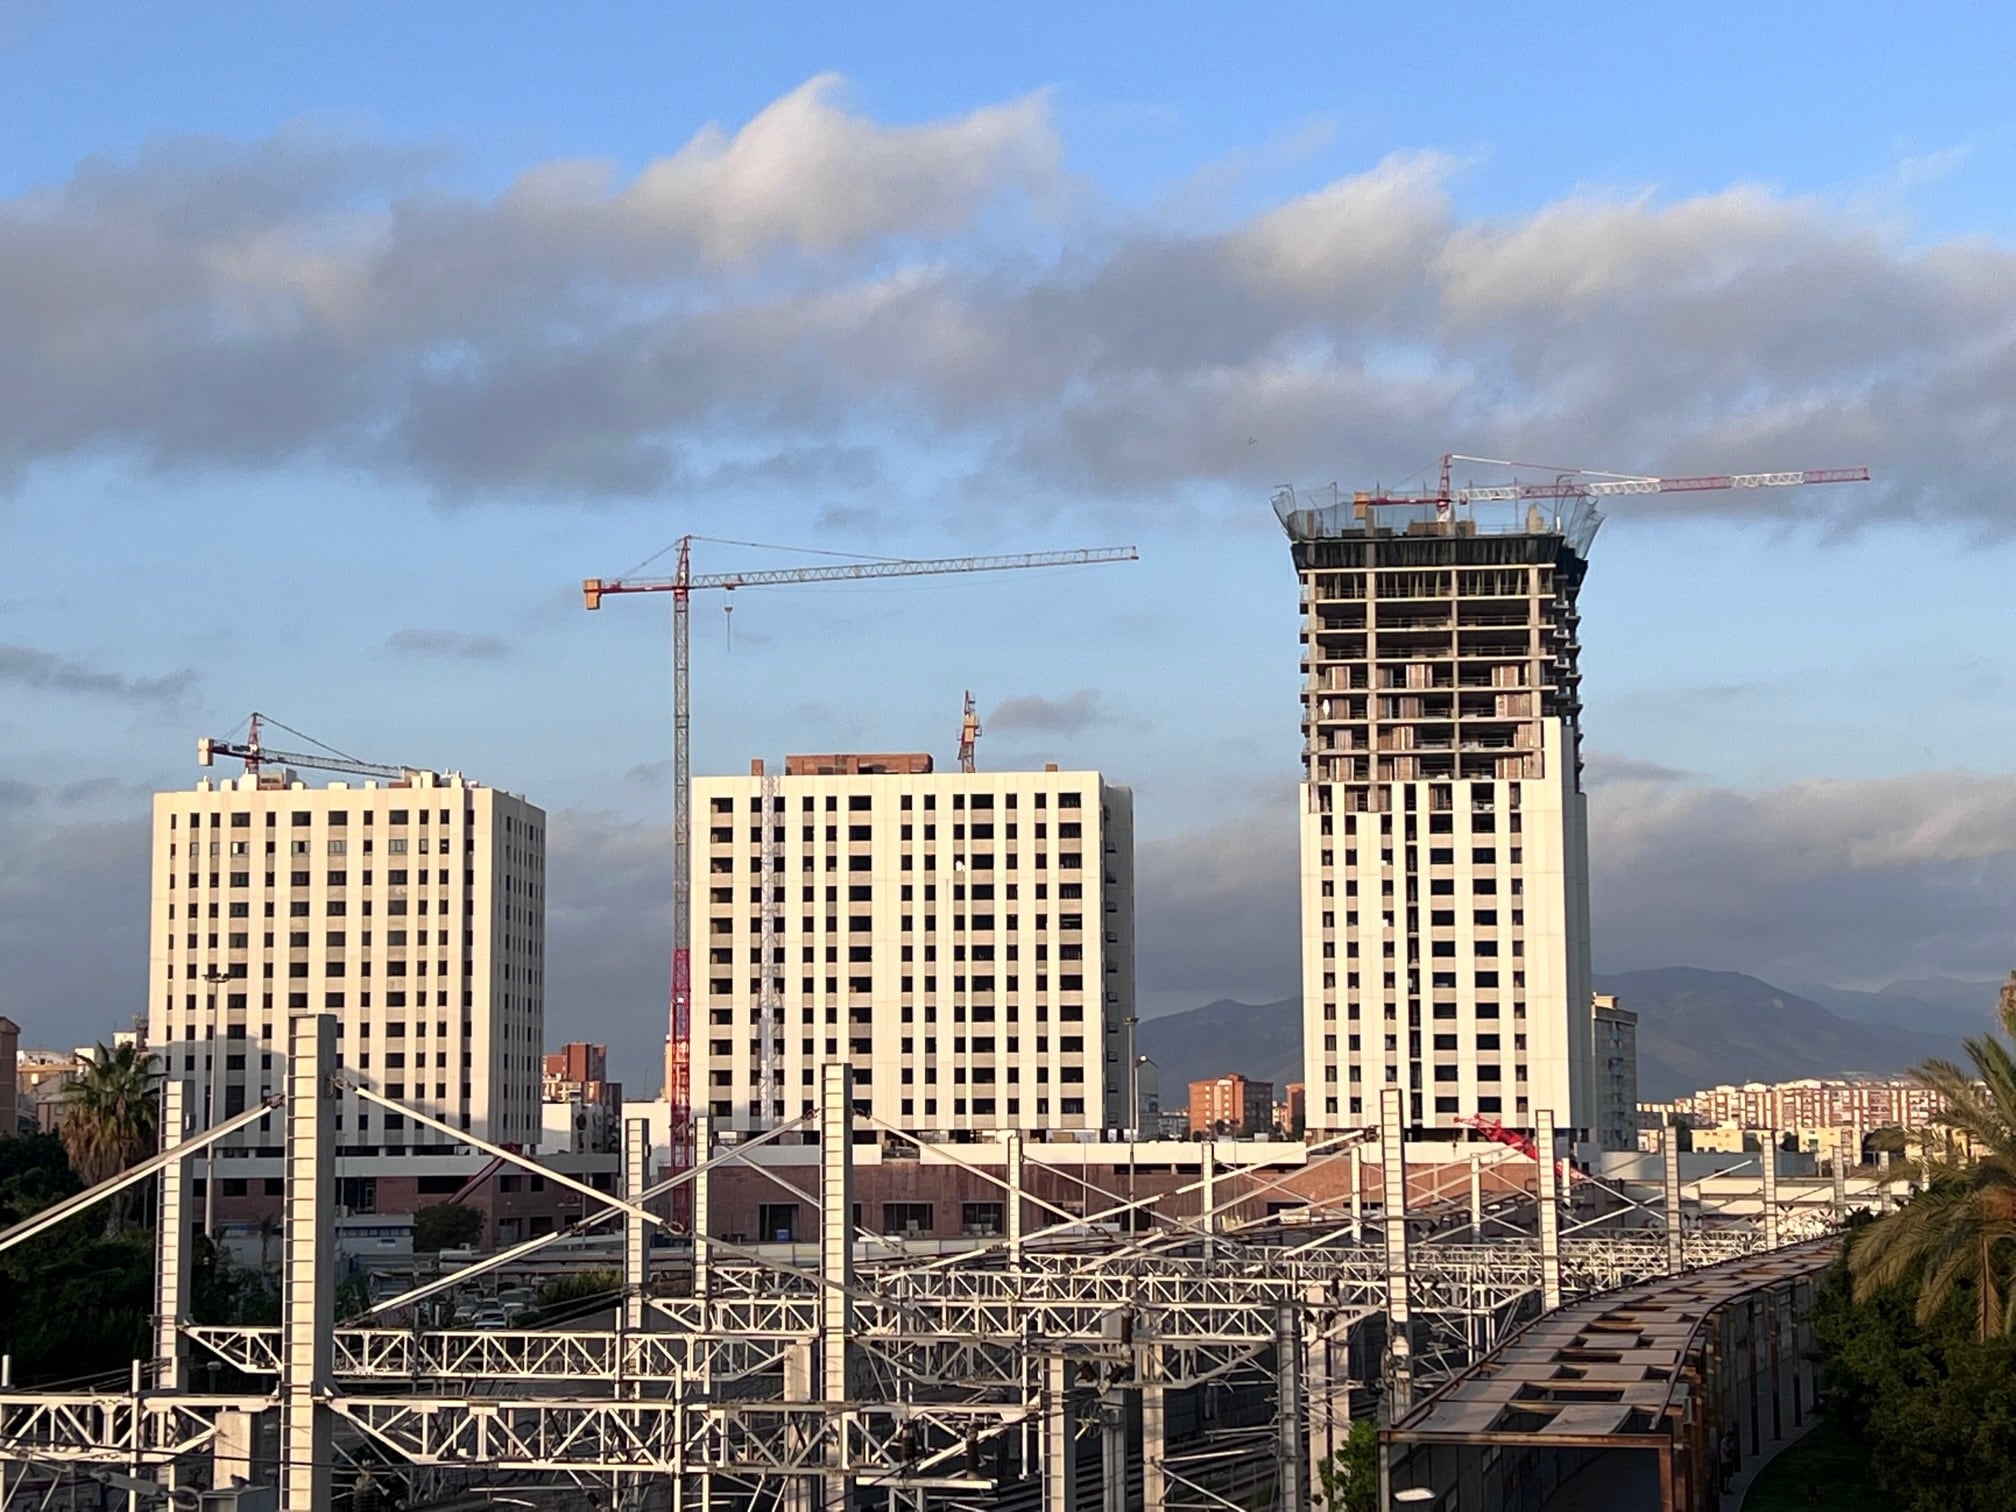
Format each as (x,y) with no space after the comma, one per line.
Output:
(969,732)
(681,585)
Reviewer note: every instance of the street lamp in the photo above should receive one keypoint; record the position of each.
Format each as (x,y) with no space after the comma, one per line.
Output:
(215,979)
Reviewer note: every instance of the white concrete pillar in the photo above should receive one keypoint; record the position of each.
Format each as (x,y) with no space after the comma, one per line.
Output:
(1550,1212)
(1357,1193)
(836,1266)
(171,1274)
(1012,1158)
(1399,1298)
(1207,1164)
(636,1233)
(1476,1199)
(1676,1244)
(1773,1224)
(1060,1441)
(1288,1407)
(307,1305)
(1149,1369)
(703,1202)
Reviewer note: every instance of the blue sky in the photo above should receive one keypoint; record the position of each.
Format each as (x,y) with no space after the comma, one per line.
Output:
(338,343)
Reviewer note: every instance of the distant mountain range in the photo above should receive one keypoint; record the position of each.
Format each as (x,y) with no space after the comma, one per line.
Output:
(1695,1029)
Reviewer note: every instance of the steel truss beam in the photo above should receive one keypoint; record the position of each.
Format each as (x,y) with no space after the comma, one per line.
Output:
(936,1379)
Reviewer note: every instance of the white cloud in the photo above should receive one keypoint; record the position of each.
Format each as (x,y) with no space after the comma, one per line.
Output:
(796,291)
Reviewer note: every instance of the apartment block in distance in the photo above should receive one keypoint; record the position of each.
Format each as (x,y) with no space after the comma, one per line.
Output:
(1232,1104)
(964,940)
(414,911)
(1444,872)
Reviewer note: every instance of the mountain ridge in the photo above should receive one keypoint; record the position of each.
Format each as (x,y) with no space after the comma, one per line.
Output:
(1696,1028)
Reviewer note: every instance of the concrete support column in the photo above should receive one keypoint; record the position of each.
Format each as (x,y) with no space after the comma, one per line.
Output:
(1149,1369)
(307,1298)
(636,1233)
(1676,1248)
(801,1492)
(1550,1213)
(703,1197)
(171,1276)
(1357,1193)
(1399,1297)
(1773,1224)
(1288,1407)
(1327,1426)
(836,1267)
(1012,1156)
(1060,1443)
(1113,1452)
(1207,1165)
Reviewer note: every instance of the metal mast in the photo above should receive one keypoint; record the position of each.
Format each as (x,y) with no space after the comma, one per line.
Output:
(969,732)
(682,585)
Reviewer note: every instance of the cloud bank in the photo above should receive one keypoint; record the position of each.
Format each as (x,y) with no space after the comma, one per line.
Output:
(732,310)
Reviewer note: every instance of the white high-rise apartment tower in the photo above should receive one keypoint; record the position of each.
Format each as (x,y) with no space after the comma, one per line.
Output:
(964,940)
(415,912)
(1444,841)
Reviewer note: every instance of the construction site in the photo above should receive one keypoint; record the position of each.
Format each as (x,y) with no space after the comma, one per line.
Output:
(1452,1252)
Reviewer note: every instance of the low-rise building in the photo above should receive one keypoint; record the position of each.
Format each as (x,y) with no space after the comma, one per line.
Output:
(1232,1105)
(582,1108)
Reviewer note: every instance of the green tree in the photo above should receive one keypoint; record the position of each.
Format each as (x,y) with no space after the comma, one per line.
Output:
(446,1225)
(111,1118)
(1934,1404)
(575,1295)
(1351,1476)
(1960,1232)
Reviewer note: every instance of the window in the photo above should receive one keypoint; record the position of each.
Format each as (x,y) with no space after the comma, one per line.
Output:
(913,1218)
(777,1222)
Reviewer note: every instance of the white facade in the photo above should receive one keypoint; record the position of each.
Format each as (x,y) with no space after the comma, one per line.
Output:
(1444,833)
(965,941)
(414,912)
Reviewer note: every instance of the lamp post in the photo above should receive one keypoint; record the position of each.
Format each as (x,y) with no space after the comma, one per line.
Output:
(215,979)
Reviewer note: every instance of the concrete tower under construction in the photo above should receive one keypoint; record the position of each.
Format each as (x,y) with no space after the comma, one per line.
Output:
(1444,837)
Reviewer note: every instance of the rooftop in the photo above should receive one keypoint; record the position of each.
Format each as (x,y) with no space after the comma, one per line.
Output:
(1328,514)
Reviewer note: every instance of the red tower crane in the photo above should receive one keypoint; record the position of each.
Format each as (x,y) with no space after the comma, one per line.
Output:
(682,585)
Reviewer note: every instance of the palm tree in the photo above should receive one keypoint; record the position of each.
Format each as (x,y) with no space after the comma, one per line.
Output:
(1962,1227)
(111,1118)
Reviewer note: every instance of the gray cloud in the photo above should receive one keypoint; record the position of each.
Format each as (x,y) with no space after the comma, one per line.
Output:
(1217,913)
(453,644)
(753,309)
(609,939)
(1054,716)
(73,928)
(1825,880)
(1601,769)
(31,667)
